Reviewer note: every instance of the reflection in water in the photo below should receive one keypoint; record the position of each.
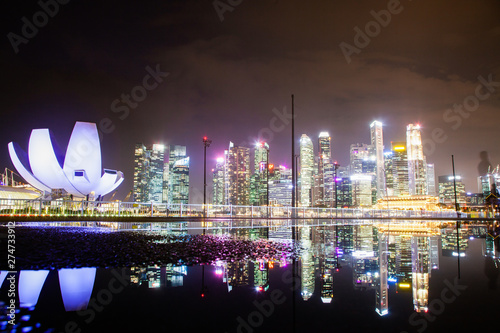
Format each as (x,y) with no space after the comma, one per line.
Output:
(379,254)
(307,264)
(76,287)
(30,286)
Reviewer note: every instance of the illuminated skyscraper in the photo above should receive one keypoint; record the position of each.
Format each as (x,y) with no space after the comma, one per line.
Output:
(362,190)
(377,141)
(157,157)
(389,173)
(400,168)
(260,156)
(178,182)
(358,154)
(218,182)
(141,173)
(259,179)
(417,178)
(280,187)
(306,170)
(447,190)
(431,180)
(325,168)
(238,171)
(148,173)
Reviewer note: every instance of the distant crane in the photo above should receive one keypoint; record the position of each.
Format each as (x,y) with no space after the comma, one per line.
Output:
(9,180)
(128,196)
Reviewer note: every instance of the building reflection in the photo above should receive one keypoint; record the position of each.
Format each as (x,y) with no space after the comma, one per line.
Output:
(306,263)
(380,256)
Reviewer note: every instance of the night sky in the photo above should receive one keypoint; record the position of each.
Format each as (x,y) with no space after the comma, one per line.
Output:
(225,77)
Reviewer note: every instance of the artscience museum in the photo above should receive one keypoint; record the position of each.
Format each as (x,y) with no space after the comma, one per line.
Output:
(78,172)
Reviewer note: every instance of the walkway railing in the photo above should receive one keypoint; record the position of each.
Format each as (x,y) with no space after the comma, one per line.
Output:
(46,208)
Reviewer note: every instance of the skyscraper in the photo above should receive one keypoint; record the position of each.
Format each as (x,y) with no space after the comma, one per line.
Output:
(148,173)
(178,182)
(389,173)
(417,178)
(325,168)
(259,179)
(218,182)
(447,189)
(141,173)
(377,141)
(238,171)
(358,154)
(280,188)
(400,168)
(156,164)
(431,179)
(306,170)
(260,156)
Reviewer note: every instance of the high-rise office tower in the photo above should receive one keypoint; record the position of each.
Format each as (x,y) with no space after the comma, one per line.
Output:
(178,182)
(417,178)
(358,154)
(389,173)
(306,170)
(157,157)
(141,173)
(148,173)
(362,190)
(280,187)
(218,182)
(400,168)
(447,189)
(165,181)
(377,141)
(238,170)
(431,179)
(260,156)
(259,179)
(325,168)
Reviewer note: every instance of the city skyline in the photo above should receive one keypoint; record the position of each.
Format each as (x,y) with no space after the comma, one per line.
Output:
(188,73)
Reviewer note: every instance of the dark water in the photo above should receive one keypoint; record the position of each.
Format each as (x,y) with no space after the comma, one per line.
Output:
(348,278)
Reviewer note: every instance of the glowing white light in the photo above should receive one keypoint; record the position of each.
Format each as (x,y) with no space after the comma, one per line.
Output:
(361,177)
(76,287)
(362,254)
(30,286)
(78,172)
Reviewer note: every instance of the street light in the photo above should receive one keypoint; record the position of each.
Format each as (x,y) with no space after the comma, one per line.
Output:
(206,143)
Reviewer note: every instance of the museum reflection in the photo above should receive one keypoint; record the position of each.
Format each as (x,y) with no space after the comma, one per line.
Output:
(403,255)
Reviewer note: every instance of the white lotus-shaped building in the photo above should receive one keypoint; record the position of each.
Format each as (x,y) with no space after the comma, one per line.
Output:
(78,172)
